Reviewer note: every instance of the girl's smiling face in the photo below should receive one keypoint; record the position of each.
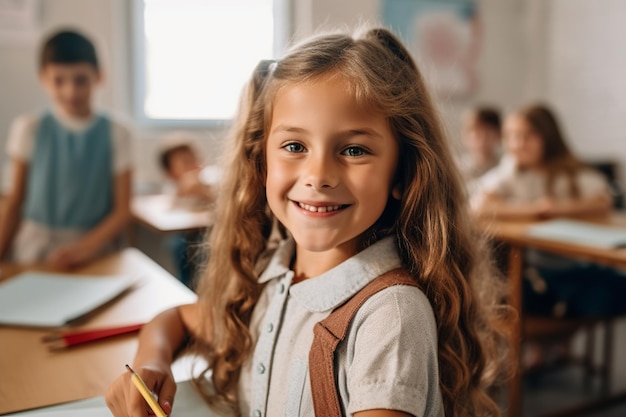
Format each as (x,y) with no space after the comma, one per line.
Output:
(522,142)
(330,167)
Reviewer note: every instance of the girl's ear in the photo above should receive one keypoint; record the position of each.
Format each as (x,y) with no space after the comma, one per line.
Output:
(396,192)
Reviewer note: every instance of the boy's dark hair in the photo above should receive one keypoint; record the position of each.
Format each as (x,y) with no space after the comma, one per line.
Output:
(488,116)
(166,155)
(68,47)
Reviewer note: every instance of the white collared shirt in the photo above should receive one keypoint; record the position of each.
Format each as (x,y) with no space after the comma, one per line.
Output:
(388,359)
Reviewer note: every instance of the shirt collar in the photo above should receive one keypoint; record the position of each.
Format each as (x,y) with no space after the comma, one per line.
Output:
(279,262)
(73,123)
(334,287)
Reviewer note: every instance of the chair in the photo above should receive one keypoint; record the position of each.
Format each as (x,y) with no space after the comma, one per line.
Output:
(611,170)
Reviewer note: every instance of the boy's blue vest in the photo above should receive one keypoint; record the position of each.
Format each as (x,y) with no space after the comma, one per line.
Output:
(70,175)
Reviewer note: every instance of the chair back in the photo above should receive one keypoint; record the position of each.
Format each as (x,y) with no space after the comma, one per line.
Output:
(611,170)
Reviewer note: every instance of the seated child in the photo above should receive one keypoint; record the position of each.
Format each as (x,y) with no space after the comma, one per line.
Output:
(70,190)
(180,160)
(481,139)
(546,180)
(339,147)
(195,188)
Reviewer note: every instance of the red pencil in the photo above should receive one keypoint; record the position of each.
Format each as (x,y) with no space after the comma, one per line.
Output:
(72,338)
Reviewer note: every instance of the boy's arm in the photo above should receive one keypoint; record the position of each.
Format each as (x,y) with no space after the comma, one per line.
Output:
(89,245)
(10,214)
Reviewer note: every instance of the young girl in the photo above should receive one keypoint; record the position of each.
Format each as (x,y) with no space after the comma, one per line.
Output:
(340,145)
(545,181)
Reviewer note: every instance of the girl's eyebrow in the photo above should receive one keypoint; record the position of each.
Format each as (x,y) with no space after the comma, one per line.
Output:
(288,129)
(363,132)
(347,133)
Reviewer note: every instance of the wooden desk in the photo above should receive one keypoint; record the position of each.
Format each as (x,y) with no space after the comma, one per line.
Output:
(513,233)
(161,213)
(31,376)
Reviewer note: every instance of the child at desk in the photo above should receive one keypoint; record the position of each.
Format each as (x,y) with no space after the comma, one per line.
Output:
(481,139)
(180,160)
(545,180)
(195,187)
(71,169)
(352,168)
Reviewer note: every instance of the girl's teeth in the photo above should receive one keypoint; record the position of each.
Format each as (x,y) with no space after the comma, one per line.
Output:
(314,209)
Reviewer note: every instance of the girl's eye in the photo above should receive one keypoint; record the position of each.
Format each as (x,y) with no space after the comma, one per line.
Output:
(353,151)
(294,147)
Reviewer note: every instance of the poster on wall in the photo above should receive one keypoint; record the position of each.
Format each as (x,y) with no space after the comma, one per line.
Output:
(19,21)
(444,38)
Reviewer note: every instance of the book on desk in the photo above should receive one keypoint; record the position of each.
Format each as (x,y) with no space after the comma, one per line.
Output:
(37,299)
(579,233)
(187,402)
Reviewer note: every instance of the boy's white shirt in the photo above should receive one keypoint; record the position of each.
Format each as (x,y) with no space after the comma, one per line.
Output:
(21,140)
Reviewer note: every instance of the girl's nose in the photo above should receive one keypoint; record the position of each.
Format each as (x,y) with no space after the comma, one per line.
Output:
(321,172)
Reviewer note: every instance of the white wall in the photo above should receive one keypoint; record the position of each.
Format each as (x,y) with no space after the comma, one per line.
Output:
(567,52)
(584,74)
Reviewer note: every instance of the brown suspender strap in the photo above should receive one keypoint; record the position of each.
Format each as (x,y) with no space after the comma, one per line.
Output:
(329,332)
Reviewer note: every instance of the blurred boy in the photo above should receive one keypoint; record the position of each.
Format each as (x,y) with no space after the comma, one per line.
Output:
(181,163)
(70,190)
(481,141)
(195,188)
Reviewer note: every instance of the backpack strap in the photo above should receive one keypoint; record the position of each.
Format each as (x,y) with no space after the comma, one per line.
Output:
(333,329)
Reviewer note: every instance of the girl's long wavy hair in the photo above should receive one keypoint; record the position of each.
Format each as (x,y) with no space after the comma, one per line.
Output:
(557,157)
(430,222)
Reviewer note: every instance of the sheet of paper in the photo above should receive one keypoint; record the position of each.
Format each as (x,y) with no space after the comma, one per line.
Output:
(50,300)
(187,403)
(580,233)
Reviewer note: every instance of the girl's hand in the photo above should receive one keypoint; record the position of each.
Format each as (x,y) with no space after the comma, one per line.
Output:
(547,207)
(69,256)
(124,399)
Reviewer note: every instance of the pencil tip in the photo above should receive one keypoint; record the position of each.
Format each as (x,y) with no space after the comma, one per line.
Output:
(129,368)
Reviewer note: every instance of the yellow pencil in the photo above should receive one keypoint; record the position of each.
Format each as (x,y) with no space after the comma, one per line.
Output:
(145,392)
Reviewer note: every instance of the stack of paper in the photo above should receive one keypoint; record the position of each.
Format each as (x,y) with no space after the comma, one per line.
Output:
(52,300)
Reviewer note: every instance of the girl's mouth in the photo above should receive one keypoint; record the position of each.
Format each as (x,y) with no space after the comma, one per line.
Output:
(321,209)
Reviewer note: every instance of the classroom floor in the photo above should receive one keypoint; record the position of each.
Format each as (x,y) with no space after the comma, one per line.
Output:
(564,388)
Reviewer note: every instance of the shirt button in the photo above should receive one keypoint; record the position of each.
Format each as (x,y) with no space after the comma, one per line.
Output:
(260,368)
(270,328)
(281,288)
(257,413)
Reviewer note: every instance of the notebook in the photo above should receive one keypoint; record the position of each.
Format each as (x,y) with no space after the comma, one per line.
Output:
(187,403)
(580,233)
(40,299)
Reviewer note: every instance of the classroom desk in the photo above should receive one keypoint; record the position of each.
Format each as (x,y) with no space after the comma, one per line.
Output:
(31,376)
(160,213)
(513,234)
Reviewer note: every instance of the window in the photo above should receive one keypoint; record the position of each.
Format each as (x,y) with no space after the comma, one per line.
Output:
(194,56)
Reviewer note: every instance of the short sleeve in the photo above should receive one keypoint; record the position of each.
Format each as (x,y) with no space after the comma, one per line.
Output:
(592,184)
(21,138)
(122,147)
(391,360)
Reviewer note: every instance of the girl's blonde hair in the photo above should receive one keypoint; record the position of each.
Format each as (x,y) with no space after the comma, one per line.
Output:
(429,223)
(557,157)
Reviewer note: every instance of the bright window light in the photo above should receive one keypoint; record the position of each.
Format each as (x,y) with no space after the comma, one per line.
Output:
(194,56)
